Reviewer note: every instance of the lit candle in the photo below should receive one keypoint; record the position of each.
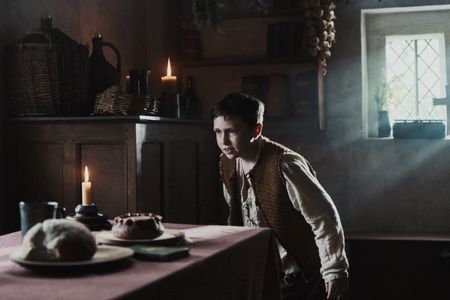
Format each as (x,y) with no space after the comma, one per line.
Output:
(127,84)
(169,82)
(86,189)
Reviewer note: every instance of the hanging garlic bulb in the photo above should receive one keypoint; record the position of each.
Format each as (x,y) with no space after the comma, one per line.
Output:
(319,27)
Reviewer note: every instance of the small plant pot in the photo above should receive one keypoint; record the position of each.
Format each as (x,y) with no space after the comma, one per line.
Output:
(384,127)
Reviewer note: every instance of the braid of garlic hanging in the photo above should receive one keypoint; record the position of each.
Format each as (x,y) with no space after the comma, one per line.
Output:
(319,28)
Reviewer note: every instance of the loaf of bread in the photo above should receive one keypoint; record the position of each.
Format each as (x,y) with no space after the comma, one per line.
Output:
(134,226)
(58,240)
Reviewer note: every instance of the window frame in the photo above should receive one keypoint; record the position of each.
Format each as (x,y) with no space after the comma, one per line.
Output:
(378,23)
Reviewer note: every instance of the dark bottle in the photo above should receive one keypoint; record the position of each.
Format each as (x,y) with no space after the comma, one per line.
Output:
(46,23)
(191,102)
(102,74)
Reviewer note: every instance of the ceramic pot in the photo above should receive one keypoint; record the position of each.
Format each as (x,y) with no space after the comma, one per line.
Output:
(384,127)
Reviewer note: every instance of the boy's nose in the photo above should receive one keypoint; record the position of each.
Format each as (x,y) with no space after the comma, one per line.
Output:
(225,139)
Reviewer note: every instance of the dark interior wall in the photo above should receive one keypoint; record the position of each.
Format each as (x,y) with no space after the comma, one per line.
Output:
(133,26)
(3,34)
(122,23)
(377,185)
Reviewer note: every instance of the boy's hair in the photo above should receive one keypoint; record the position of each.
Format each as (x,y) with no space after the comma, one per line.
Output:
(249,108)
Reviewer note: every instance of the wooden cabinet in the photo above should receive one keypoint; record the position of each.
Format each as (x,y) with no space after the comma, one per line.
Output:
(178,173)
(161,165)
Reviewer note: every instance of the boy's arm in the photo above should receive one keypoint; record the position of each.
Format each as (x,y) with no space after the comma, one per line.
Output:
(225,194)
(310,198)
(227,199)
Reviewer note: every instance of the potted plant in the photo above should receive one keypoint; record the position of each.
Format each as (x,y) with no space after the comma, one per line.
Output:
(381,98)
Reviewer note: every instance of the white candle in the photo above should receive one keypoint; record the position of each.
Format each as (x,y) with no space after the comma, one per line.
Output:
(169,82)
(86,189)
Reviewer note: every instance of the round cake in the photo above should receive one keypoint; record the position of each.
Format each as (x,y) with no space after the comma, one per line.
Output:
(136,226)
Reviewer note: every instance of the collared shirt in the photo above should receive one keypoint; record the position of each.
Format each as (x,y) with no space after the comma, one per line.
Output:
(319,212)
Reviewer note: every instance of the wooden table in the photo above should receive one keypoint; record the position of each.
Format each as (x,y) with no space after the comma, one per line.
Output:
(225,262)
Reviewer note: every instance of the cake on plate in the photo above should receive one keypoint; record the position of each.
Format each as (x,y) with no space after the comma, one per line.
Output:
(136,226)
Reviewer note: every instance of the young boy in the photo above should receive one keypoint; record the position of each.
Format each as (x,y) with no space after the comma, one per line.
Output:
(269,185)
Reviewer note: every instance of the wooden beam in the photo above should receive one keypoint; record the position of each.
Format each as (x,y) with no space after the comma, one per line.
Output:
(321,96)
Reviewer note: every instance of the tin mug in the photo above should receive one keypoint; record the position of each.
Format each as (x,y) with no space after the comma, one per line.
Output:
(34,212)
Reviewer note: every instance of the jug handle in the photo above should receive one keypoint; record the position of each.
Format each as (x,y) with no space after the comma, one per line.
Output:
(116,51)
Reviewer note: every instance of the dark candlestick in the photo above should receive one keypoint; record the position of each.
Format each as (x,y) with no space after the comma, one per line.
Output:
(89,216)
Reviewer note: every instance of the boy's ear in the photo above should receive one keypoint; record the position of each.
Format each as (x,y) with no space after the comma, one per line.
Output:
(258,129)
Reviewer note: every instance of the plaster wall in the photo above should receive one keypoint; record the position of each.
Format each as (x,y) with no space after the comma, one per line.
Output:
(378,185)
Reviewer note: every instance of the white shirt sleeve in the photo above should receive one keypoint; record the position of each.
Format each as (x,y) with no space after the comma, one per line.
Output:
(227,197)
(310,198)
(225,194)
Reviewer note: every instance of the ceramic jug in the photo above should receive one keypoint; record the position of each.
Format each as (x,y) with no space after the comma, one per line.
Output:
(102,74)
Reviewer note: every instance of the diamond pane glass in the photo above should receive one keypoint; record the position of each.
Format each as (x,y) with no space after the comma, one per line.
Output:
(413,77)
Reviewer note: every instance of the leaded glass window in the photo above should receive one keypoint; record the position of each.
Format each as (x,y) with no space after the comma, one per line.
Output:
(415,73)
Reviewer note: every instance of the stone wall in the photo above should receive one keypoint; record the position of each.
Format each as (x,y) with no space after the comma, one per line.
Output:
(377,185)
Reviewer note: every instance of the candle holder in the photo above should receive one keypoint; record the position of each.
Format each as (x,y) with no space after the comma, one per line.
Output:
(89,216)
(171,105)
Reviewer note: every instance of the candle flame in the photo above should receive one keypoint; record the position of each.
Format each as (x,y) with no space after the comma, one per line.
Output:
(169,69)
(86,174)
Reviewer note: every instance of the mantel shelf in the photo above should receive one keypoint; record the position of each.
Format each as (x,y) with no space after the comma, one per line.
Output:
(109,119)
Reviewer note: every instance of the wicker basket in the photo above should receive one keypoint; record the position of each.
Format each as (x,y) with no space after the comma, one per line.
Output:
(47,74)
(114,102)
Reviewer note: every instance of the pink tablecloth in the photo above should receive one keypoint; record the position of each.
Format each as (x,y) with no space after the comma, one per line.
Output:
(225,262)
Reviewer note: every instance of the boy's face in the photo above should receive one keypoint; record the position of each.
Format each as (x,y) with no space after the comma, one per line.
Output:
(234,137)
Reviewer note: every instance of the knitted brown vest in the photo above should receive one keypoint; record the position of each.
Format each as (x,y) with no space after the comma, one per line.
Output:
(289,225)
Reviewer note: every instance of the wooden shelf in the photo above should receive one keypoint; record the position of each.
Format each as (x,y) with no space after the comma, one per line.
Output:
(239,61)
(108,119)
(291,13)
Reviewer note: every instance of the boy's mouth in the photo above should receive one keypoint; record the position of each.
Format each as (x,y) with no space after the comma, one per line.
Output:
(227,150)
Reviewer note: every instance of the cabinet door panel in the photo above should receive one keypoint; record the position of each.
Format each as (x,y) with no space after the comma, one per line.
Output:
(151,178)
(181,176)
(108,174)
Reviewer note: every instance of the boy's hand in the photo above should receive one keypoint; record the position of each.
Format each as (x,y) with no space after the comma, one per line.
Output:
(335,288)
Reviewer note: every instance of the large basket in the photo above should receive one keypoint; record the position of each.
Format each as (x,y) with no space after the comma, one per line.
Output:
(47,75)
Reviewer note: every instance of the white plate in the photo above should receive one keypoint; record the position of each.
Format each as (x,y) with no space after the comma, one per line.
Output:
(169,237)
(104,254)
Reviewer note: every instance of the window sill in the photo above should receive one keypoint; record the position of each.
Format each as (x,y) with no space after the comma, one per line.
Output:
(445,139)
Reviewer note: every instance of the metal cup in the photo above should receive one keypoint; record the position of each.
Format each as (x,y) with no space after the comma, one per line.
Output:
(139,82)
(32,213)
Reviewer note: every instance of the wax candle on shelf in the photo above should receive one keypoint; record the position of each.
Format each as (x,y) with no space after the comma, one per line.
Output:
(86,189)
(127,84)
(169,82)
